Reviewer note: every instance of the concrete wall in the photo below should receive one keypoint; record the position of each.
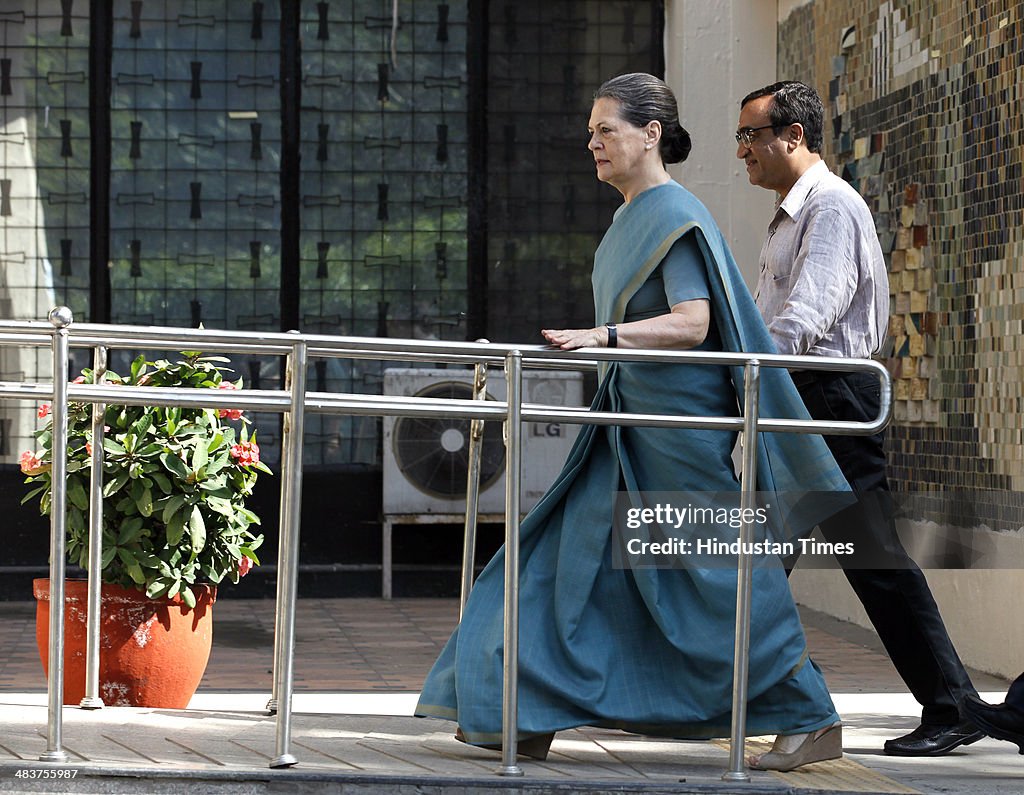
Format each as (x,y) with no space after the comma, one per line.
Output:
(979,607)
(716,51)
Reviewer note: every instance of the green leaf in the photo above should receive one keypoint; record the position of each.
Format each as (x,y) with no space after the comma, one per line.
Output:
(145,502)
(115,484)
(125,505)
(131,529)
(136,573)
(143,424)
(188,597)
(176,529)
(113,447)
(221,505)
(174,465)
(137,367)
(77,494)
(162,481)
(156,589)
(216,466)
(200,456)
(107,556)
(172,506)
(130,566)
(197,529)
(33,493)
(247,551)
(77,466)
(248,515)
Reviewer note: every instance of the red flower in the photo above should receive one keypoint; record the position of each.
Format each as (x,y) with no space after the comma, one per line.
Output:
(79,380)
(31,464)
(44,410)
(88,448)
(244,566)
(246,453)
(232,414)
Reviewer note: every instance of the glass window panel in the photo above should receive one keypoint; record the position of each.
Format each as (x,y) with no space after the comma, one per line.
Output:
(195,202)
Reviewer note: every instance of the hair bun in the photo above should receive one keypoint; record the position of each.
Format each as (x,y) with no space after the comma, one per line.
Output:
(675,145)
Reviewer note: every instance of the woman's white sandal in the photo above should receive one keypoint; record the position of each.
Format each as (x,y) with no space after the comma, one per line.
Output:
(791,751)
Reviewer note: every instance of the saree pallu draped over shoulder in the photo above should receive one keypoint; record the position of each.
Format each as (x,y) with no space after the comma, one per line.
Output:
(646,649)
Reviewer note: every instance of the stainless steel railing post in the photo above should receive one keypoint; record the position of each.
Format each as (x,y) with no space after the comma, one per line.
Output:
(288,565)
(92,699)
(748,485)
(476,440)
(61,318)
(510,665)
(282,542)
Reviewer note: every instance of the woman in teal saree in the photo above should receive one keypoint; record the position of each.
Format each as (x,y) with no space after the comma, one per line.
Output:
(648,649)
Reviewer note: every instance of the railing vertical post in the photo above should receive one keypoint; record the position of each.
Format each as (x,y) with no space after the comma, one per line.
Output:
(513,459)
(288,563)
(92,699)
(476,439)
(748,485)
(61,318)
(282,541)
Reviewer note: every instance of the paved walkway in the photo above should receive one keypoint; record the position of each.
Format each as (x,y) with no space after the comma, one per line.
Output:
(358,665)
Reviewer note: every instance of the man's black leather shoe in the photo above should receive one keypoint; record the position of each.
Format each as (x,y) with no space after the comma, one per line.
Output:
(1000,720)
(928,740)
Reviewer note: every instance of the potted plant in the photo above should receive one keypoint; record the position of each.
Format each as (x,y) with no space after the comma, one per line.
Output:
(175,524)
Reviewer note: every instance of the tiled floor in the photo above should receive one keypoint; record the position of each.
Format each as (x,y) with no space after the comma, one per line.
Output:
(358,666)
(340,644)
(377,645)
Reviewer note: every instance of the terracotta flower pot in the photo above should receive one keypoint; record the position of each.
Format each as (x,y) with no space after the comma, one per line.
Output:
(153,652)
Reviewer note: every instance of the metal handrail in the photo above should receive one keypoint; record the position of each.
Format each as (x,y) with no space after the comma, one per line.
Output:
(293,402)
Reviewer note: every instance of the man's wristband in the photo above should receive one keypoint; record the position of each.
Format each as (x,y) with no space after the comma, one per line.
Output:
(613,335)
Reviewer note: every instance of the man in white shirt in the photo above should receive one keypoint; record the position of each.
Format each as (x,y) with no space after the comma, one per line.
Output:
(823,291)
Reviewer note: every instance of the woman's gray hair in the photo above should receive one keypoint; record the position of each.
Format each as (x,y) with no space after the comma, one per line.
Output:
(644,98)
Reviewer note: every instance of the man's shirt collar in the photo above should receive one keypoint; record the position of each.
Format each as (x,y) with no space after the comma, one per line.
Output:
(802,188)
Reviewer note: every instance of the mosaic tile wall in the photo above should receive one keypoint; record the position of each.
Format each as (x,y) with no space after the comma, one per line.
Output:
(923,116)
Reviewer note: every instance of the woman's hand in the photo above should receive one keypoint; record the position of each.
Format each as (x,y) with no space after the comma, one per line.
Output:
(685,326)
(569,339)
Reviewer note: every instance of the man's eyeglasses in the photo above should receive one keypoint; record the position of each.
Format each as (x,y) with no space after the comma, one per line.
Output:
(745,135)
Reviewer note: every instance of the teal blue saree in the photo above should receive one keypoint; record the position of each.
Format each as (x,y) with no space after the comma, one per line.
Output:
(646,649)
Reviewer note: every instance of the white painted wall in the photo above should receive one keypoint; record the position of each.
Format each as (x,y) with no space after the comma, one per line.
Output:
(979,607)
(716,52)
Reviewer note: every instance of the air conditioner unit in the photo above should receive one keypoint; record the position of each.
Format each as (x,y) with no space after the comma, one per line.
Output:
(426,459)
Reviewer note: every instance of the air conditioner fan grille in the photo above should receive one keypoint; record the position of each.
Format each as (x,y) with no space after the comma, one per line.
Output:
(433,453)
